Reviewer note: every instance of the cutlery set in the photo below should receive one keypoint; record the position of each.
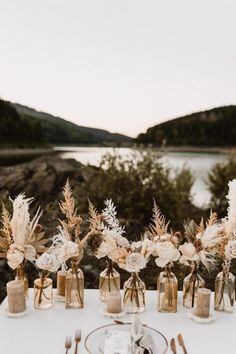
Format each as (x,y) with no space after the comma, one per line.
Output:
(68,342)
(181,343)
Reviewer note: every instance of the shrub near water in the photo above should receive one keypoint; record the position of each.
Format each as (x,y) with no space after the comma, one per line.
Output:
(217,182)
(133,183)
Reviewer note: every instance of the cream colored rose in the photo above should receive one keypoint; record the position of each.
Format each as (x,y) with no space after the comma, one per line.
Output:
(189,253)
(48,261)
(15,255)
(106,247)
(134,262)
(68,250)
(30,253)
(118,255)
(120,240)
(166,253)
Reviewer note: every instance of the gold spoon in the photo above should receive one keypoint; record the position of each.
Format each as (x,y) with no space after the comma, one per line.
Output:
(172,345)
(181,343)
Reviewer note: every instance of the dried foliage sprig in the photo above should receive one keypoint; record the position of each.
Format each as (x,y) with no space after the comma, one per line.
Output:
(159,226)
(95,219)
(72,224)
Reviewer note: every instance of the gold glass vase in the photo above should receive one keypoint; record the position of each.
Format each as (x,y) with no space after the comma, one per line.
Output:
(225,290)
(168,291)
(21,275)
(134,294)
(74,289)
(109,281)
(191,285)
(43,293)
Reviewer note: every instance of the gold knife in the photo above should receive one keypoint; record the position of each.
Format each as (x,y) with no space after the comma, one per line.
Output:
(181,343)
(172,345)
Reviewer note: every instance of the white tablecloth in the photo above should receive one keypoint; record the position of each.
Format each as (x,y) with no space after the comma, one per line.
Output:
(44,331)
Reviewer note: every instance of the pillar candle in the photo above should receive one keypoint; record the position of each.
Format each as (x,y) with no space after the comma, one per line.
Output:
(203,303)
(16,296)
(61,282)
(114,303)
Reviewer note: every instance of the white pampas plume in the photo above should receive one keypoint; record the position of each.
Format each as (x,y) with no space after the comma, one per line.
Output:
(20,222)
(232,207)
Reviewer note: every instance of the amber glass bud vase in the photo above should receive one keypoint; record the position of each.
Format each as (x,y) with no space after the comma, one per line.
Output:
(109,281)
(168,291)
(74,289)
(191,285)
(21,275)
(134,294)
(225,290)
(43,292)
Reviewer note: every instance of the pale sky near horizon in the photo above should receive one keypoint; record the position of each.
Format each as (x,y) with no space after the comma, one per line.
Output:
(121,65)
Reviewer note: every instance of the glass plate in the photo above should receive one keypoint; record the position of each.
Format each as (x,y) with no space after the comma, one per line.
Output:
(94,342)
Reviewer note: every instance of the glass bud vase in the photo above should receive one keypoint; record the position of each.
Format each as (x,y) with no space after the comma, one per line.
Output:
(74,289)
(21,275)
(168,291)
(43,293)
(109,282)
(134,294)
(225,290)
(191,285)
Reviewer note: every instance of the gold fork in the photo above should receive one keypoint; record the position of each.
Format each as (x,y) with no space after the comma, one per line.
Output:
(68,344)
(77,339)
(181,343)
(172,345)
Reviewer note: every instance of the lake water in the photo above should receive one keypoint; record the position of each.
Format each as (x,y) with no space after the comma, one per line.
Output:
(199,163)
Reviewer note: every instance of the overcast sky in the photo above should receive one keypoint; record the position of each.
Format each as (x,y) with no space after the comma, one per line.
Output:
(122,65)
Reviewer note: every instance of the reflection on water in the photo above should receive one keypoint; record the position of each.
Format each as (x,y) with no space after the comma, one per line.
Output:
(199,163)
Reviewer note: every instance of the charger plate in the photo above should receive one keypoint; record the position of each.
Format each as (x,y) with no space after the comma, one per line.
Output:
(94,342)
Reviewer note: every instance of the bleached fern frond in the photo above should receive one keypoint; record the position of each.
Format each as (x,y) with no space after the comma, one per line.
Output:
(109,214)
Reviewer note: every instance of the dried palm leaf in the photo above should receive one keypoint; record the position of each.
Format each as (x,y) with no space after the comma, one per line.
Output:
(213,218)
(191,230)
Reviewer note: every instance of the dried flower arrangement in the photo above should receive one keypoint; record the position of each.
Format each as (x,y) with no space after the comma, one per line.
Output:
(22,238)
(225,280)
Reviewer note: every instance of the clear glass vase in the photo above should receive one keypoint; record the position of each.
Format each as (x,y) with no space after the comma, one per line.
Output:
(109,282)
(74,289)
(191,285)
(225,290)
(168,291)
(21,275)
(134,294)
(43,293)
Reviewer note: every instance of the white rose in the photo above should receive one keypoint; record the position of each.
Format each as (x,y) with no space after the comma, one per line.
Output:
(30,253)
(134,262)
(106,247)
(165,237)
(166,253)
(189,253)
(120,240)
(48,261)
(15,255)
(68,250)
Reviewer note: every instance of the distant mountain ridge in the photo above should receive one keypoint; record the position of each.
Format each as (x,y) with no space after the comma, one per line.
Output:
(57,130)
(210,128)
